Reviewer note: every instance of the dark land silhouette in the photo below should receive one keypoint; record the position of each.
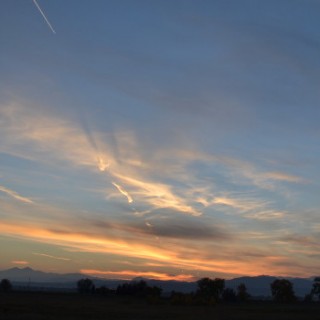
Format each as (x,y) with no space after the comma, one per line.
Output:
(27,278)
(138,299)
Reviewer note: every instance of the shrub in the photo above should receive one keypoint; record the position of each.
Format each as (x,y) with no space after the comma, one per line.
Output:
(5,285)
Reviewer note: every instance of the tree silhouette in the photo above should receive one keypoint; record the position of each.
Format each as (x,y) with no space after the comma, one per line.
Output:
(242,294)
(209,288)
(5,285)
(85,286)
(282,291)
(316,287)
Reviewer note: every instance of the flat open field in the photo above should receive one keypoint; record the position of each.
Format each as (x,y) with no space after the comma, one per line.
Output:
(35,306)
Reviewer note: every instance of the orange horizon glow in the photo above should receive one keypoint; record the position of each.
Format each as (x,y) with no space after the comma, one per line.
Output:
(129,275)
(168,258)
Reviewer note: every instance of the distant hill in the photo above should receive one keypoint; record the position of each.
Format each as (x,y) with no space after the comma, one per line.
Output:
(27,277)
(30,278)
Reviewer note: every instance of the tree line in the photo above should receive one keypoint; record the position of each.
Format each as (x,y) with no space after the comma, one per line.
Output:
(132,288)
(209,291)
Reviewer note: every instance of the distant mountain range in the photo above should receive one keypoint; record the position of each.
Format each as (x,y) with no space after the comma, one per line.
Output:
(29,278)
(27,274)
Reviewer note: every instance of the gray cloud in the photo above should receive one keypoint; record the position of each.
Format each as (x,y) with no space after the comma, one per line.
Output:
(190,230)
(310,240)
(174,227)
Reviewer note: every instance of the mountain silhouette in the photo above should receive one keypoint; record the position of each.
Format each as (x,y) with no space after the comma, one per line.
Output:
(257,286)
(30,275)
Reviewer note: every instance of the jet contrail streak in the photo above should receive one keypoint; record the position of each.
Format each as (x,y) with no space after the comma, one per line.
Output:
(44,16)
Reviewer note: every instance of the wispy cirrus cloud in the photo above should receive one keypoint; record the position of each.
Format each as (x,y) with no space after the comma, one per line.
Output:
(245,172)
(51,138)
(120,158)
(266,214)
(15,195)
(251,208)
(158,195)
(241,204)
(281,176)
(124,192)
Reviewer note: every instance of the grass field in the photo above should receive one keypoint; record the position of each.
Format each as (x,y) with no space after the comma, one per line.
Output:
(35,306)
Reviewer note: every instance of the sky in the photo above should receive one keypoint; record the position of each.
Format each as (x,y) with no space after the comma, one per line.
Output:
(160,139)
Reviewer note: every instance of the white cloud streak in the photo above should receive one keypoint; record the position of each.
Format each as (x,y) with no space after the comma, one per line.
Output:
(15,195)
(44,16)
(124,192)
(50,256)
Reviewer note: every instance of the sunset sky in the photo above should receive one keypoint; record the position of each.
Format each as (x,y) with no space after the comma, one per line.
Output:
(166,139)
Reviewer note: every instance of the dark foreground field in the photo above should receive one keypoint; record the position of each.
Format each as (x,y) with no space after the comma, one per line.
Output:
(36,306)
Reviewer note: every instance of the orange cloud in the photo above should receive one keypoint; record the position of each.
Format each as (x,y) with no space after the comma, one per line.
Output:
(20,262)
(176,255)
(86,242)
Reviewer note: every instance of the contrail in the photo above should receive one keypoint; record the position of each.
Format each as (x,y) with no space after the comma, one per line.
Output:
(44,16)
(49,256)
